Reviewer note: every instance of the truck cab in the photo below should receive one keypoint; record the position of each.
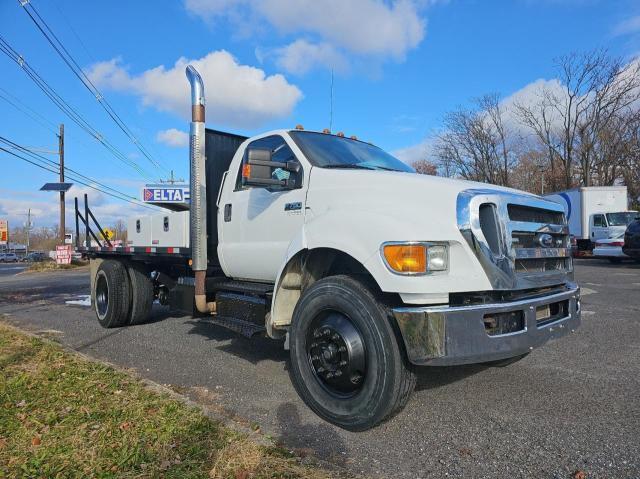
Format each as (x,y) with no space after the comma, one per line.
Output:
(609,225)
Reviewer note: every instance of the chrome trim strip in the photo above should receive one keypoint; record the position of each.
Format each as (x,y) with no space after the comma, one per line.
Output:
(539,253)
(574,292)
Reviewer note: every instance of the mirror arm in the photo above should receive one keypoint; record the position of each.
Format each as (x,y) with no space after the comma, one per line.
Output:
(265,182)
(292,166)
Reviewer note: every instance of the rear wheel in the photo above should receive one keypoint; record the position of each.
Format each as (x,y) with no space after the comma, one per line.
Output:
(112,294)
(141,293)
(346,362)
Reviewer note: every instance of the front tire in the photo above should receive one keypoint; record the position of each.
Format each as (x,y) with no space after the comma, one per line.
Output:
(112,294)
(345,360)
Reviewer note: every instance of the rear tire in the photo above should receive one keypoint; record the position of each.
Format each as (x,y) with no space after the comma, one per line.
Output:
(339,326)
(141,293)
(112,294)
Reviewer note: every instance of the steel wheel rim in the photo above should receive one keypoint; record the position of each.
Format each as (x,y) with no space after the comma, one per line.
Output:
(336,354)
(102,296)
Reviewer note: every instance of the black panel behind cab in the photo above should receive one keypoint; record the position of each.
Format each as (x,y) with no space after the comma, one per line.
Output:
(219,150)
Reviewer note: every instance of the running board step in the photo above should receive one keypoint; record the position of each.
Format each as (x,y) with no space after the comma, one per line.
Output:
(244,328)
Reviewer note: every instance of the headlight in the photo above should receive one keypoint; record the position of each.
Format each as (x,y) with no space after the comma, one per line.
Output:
(414,258)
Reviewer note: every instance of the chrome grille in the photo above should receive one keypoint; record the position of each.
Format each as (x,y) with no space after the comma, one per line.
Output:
(522,241)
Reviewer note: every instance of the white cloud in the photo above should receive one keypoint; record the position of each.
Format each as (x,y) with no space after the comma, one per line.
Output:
(237,95)
(628,27)
(173,137)
(374,29)
(301,56)
(359,26)
(420,151)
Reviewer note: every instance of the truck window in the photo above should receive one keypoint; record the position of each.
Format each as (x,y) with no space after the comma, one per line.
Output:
(280,152)
(599,222)
(622,218)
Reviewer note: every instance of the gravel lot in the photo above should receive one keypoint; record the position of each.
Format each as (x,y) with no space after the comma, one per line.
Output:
(572,405)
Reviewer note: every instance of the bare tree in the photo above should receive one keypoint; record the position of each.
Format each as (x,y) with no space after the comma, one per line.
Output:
(425,167)
(570,116)
(476,142)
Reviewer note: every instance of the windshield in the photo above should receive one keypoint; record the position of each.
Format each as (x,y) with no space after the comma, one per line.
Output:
(330,151)
(621,219)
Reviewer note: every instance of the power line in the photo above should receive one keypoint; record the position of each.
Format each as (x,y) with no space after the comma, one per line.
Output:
(119,196)
(66,107)
(39,118)
(62,51)
(34,154)
(34,115)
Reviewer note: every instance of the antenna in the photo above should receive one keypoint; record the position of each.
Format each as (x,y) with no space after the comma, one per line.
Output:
(331,103)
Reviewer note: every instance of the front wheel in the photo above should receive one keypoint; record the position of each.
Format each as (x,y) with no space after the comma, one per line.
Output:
(346,362)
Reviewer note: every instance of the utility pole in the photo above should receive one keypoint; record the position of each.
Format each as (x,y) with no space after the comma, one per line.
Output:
(61,153)
(28,229)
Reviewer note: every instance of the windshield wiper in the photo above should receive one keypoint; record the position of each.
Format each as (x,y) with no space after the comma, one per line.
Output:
(359,166)
(350,165)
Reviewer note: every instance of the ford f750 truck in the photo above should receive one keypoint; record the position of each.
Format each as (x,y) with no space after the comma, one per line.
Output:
(366,269)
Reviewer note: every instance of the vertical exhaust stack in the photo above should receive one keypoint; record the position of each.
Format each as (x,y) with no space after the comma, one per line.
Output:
(198,187)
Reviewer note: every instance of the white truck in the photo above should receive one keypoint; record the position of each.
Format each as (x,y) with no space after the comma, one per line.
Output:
(595,212)
(363,267)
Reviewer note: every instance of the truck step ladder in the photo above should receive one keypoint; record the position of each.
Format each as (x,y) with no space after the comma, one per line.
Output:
(245,328)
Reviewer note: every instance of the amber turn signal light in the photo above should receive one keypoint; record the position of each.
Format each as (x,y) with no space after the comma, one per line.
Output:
(406,258)
(246,170)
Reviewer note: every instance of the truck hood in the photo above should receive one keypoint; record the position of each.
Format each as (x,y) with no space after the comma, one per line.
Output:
(406,197)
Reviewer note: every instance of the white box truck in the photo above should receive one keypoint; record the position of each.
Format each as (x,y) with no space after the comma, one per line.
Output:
(595,212)
(364,268)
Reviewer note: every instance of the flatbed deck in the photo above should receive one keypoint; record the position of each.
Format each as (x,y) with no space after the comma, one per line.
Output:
(155,251)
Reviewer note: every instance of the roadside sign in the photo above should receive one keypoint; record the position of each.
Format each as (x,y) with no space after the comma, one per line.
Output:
(166,194)
(4,231)
(63,254)
(68,238)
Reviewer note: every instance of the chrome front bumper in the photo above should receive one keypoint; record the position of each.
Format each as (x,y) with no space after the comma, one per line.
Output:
(444,335)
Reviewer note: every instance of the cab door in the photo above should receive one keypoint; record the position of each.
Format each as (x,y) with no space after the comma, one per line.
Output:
(256,224)
(599,227)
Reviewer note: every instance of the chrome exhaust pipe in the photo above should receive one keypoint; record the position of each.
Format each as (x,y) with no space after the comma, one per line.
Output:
(198,187)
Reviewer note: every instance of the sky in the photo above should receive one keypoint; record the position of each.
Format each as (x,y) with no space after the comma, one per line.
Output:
(398,67)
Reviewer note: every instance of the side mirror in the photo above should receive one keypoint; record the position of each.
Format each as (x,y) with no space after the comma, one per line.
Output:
(258,167)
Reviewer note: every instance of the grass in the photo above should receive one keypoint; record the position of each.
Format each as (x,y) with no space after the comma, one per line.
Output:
(50,265)
(64,416)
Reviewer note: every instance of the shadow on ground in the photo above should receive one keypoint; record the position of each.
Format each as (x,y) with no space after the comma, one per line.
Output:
(254,350)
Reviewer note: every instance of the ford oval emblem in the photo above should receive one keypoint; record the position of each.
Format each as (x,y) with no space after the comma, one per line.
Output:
(545,240)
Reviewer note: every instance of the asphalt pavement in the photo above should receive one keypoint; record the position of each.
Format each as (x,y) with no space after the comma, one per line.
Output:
(573,405)
(9,269)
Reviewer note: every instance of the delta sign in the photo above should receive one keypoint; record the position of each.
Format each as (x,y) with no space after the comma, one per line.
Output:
(166,194)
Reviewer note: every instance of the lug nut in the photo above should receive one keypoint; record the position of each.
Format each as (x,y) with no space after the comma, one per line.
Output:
(342,349)
(329,375)
(326,332)
(338,373)
(342,363)
(320,369)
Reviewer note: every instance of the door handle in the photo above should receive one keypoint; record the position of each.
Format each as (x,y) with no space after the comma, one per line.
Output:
(227,212)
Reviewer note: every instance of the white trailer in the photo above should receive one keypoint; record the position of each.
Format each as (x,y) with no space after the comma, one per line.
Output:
(594,212)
